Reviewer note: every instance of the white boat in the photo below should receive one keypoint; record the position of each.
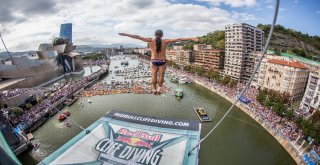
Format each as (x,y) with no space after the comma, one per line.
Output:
(182,80)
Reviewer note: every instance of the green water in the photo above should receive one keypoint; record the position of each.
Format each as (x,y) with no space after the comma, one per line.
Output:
(239,139)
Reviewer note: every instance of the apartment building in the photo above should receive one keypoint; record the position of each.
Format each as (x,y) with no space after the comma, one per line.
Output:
(284,76)
(208,58)
(178,55)
(141,51)
(202,47)
(311,100)
(241,40)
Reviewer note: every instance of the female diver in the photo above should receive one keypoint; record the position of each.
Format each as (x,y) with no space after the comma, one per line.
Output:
(158,56)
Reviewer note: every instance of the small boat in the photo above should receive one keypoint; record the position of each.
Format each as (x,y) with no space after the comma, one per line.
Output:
(173,79)
(178,93)
(66,112)
(89,101)
(182,80)
(61,117)
(202,114)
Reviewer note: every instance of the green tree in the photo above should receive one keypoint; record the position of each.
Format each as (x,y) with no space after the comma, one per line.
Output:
(226,80)
(28,106)
(187,68)
(17,111)
(213,74)
(233,83)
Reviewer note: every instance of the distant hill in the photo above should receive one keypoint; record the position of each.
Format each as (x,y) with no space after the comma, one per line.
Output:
(292,42)
(215,38)
(91,48)
(80,48)
(283,41)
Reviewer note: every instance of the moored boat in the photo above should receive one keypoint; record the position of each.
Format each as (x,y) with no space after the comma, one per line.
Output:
(182,80)
(202,114)
(178,93)
(173,79)
(61,117)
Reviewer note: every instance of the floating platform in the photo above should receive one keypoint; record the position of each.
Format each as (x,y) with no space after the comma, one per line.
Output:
(202,114)
(124,138)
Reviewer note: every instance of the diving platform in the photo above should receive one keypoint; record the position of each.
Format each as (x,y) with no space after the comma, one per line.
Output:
(127,138)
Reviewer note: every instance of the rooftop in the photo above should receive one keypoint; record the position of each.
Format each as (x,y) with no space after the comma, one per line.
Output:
(301,59)
(288,63)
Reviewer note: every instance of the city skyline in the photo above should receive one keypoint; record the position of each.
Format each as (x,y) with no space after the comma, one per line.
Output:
(25,25)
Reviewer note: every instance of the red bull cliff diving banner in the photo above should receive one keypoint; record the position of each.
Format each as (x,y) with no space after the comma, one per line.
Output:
(121,138)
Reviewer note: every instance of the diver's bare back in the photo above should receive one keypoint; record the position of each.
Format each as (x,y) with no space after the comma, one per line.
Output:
(162,54)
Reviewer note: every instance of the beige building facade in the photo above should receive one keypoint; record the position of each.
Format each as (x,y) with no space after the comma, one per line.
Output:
(284,76)
(179,56)
(209,59)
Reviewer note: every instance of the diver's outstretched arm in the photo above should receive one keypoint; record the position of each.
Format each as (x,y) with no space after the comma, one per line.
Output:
(181,39)
(136,37)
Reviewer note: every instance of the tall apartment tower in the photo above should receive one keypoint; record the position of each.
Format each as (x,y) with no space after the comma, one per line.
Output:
(241,41)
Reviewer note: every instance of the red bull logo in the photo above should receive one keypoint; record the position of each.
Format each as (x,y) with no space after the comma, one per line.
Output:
(140,135)
(134,142)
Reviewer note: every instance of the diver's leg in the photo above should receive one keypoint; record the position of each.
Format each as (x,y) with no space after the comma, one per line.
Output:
(162,71)
(154,71)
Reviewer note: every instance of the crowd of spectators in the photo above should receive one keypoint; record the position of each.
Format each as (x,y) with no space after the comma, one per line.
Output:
(38,111)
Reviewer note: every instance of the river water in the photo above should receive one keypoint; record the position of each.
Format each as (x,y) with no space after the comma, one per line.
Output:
(238,140)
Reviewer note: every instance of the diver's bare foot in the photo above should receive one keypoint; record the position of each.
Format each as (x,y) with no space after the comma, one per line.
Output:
(159,90)
(154,92)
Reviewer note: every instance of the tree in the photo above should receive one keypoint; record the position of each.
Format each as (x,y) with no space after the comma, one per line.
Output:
(315,118)
(200,71)
(216,39)
(290,114)
(187,68)
(233,83)
(39,99)
(213,74)
(262,96)
(16,111)
(226,80)
(28,106)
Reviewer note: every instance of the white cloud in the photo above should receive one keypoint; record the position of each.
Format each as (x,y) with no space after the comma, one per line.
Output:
(232,3)
(242,17)
(99,21)
(282,9)
(269,7)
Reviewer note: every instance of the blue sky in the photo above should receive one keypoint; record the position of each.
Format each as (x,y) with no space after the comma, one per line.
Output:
(301,15)
(26,24)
